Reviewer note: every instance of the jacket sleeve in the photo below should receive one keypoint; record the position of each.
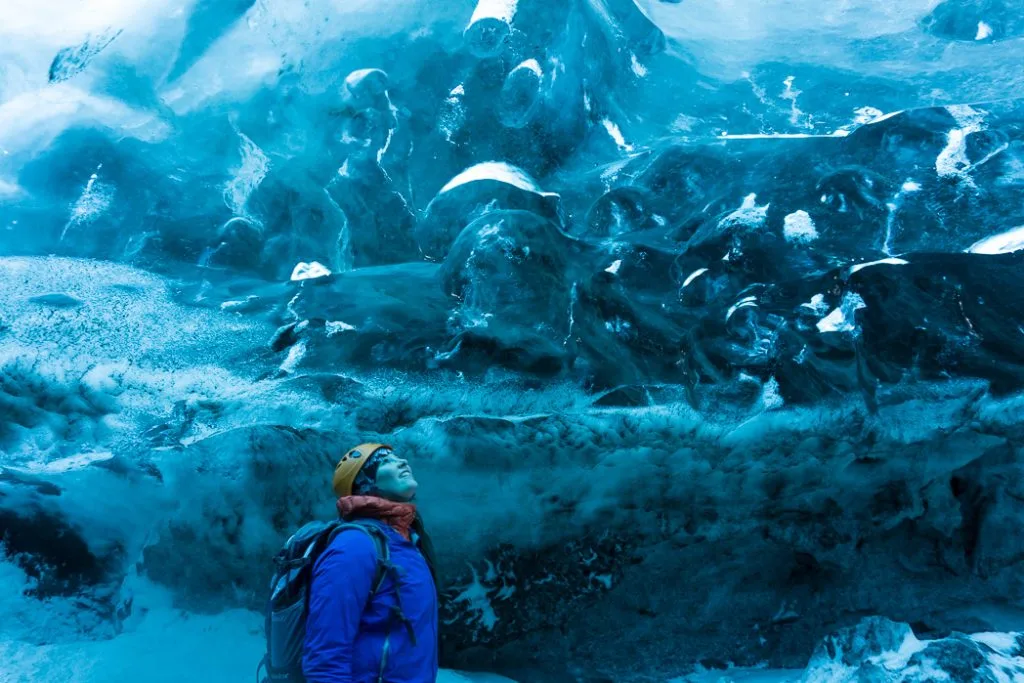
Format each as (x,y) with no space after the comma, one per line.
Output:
(342,580)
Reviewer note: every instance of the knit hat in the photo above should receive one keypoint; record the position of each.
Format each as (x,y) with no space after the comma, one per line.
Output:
(350,465)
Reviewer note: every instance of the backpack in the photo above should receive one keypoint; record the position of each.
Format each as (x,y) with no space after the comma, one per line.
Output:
(288,605)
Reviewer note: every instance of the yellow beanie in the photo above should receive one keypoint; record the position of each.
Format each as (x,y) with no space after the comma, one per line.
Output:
(348,467)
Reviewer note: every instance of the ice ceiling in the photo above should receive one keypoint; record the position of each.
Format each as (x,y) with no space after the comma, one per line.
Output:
(700,317)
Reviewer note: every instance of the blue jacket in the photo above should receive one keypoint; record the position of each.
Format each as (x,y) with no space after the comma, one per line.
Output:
(348,633)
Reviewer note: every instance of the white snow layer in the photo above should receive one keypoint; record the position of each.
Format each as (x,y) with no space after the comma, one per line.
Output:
(497,171)
(1003,243)
(309,271)
(798,227)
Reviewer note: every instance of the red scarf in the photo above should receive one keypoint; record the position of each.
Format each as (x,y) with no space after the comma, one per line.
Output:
(398,516)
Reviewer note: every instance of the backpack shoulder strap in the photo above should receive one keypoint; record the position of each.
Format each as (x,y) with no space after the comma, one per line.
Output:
(384,567)
(380,546)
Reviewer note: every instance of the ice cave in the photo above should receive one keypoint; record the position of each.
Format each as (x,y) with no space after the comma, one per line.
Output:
(700,323)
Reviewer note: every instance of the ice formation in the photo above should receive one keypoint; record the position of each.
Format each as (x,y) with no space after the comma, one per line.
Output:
(700,323)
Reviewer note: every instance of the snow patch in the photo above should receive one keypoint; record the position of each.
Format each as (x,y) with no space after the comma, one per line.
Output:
(639,69)
(1004,643)
(693,276)
(864,115)
(334,327)
(771,399)
(502,10)
(616,135)
(816,305)
(532,65)
(1003,243)
(885,117)
(749,212)
(893,261)
(475,597)
(94,200)
(745,302)
(295,355)
(309,271)
(498,171)
(798,227)
(841,318)
(952,161)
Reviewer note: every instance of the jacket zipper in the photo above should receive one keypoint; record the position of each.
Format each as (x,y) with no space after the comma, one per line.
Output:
(384,657)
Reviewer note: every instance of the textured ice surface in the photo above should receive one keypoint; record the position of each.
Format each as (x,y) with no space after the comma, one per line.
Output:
(719,302)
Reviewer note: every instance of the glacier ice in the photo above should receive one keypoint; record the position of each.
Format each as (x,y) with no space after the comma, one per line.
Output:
(700,322)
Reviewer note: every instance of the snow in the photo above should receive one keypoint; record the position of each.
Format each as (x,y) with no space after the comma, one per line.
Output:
(94,200)
(798,227)
(498,171)
(745,302)
(866,114)
(1006,643)
(693,276)
(503,10)
(639,69)
(337,327)
(885,117)
(952,161)
(841,318)
(816,304)
(163,645)
(489,26)
(771,399)
(749,213)
(532,65)
(1003,243)
(474,595)
(613,130)
(309,271)
(892,261)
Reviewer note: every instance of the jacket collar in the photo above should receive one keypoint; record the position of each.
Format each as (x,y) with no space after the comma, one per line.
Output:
(399,516)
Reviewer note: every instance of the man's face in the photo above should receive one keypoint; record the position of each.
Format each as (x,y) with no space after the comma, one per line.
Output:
(394,479)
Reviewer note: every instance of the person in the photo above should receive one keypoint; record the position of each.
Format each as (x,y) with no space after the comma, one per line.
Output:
(353,633)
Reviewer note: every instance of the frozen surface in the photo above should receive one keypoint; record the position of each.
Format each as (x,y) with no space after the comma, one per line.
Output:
(719,300)
(162,645)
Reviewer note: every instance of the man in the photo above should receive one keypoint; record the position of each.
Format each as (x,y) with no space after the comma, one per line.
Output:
(353,633)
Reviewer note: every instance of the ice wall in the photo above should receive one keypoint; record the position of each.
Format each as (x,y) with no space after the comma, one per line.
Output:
(700,325)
